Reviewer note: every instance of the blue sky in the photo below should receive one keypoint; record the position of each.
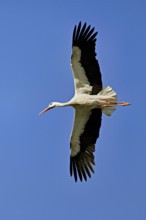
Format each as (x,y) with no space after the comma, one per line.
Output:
(35,50)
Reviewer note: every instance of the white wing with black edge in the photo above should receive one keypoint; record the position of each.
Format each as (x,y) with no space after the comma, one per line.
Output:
(86,71)
(84,135)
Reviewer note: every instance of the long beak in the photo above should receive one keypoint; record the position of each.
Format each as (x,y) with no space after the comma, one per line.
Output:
(45,110)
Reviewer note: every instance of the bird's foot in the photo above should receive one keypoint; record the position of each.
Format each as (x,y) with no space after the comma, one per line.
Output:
(123,103)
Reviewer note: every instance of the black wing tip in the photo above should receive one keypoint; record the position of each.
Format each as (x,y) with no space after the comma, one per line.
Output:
(83,33)
(81,167)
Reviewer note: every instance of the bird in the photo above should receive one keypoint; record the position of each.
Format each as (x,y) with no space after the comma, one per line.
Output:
(90,101)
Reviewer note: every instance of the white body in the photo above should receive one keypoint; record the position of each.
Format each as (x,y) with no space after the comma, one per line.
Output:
(89,102)
(83,104)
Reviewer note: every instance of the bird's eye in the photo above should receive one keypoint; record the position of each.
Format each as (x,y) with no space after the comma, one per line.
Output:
(51,103)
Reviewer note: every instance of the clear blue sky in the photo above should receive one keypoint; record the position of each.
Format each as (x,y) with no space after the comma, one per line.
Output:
(35,50)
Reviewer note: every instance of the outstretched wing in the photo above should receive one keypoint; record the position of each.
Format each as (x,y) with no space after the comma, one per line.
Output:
(86,71)
(84,135)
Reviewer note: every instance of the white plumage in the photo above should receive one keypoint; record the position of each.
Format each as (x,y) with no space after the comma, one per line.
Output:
(89,101)
(81,82)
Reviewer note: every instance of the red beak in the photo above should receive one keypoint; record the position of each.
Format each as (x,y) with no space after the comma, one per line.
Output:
(45,110)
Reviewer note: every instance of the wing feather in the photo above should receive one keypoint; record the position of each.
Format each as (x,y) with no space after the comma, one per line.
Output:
(89,34)
(86,70)
(84,135)
(78,31)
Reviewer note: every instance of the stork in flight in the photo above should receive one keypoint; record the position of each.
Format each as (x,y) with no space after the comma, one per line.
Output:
(89,101)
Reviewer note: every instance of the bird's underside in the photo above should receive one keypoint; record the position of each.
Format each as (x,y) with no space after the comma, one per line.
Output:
(89,102)
(87,122)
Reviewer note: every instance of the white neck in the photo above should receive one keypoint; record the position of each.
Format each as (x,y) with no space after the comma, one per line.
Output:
(59,104)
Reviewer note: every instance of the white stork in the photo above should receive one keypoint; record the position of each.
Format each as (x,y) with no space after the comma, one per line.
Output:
(89,101)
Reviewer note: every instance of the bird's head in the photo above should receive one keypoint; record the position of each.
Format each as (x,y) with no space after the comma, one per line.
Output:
(50,106)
